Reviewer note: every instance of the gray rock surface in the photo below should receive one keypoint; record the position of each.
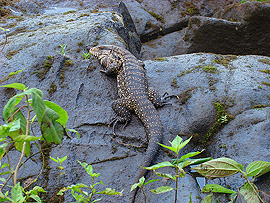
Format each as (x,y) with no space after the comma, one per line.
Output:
(219,36)
(200,79)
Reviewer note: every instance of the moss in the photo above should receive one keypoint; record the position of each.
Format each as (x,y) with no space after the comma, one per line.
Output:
(266,83)
(45,69)
(70,20)
(52,89)
(266,61)
(210,69)
(10,54)
(68,12)
(184,97)
(222,118)
(259,106)
(224,60)
(83,15)
(156,16)
(265,71)
(160,59)
(174,83)
(68,63)
(80,44)
(259,87)
(94,11)
(148,25)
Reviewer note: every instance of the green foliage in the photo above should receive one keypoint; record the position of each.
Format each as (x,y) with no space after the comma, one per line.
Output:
(63,49)
(19,195)
(60,167)
(86,55)
(16,131)
(179,163)
(80,194)
(222,167)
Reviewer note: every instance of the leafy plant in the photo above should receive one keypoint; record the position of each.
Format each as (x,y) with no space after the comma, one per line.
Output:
(179,163)
(63,49)
(5,30)
(222,167)
(18,194)
(141,184)
(84,196)
(60,167)
(19,114)
(86,55)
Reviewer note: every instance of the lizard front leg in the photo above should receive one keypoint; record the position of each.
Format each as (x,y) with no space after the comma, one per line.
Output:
(122,109)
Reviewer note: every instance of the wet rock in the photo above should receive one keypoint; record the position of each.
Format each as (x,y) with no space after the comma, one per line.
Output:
(226,37)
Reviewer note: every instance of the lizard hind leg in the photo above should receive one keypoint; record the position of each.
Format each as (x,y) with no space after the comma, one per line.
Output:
(123,115)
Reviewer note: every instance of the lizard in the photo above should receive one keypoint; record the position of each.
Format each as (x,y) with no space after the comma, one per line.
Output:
(134,95)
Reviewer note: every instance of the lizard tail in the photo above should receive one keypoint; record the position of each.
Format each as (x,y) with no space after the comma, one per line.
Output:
(154,132)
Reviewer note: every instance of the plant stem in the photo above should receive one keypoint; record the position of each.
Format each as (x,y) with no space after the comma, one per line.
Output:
(144,195)
(24,144)
(176,181)
(254,189)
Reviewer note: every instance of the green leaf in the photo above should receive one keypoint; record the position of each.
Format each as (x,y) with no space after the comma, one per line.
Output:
(14,73)
(97,200)
(87,167)
(165,175)
(74,131)
(51,130)
(249,193)
(3,148)
(17,86)
(4,29)
(151,181)
(190,199)
(36,197)
(55,160)
(135,185)
(8,108)
(257,167)
(15,126)
(184,144)
(38,189)
(218,168)
(194,161)
(16,193)
(191,154)
(184,163)
(162,189)
(63,115)
(216,188)
(38,104)
(176,142)
(168,147)
(208,198)
(25,138)
(23,122)
(61,160)
(109,191)
(19,146)
(159,165)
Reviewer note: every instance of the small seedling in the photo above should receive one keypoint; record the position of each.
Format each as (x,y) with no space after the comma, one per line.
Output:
(141,184)
(60,167)
(86,55)
(63,49)
(179,163)
(84,196)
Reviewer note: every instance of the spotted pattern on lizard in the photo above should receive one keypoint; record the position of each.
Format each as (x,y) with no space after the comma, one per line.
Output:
(134,95)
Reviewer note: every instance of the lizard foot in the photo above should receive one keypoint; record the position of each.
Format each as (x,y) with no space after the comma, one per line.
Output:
(116,119)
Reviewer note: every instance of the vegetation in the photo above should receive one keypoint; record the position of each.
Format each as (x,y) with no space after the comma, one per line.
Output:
(223,167)
(83,196)
(178,164)
(19,114)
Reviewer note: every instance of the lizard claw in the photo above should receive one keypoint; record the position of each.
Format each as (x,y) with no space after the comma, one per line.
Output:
(116,120)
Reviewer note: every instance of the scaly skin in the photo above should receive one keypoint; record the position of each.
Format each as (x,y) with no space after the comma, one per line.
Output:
(134,96)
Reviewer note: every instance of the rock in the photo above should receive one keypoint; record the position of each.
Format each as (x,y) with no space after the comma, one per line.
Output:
(160,47)
(239,84)
(219,36)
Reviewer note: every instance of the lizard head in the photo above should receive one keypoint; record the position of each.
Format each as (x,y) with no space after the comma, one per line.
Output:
(106,54)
